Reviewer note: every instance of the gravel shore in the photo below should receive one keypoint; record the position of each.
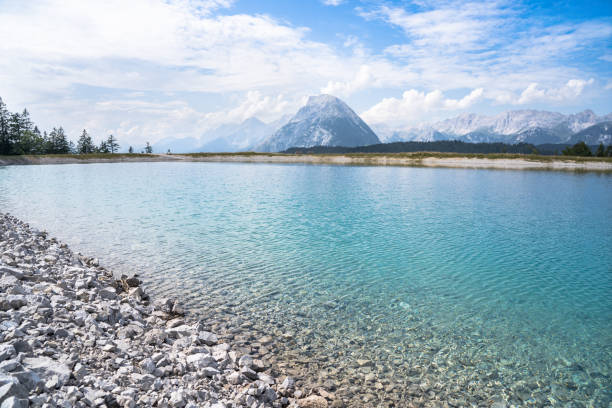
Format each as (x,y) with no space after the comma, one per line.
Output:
(73,335)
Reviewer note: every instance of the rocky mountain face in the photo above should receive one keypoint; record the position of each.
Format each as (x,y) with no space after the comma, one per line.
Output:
(324,121)
(327,121)
(594,135)
(526,126)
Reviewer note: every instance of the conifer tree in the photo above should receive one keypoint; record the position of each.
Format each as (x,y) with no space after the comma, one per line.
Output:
(5,144)
(85,144)
(38,142)
(148,149)
(50,141)
(112,144)
(131,150)
(46,142)
(62,146)
(600,150)
(103,147)
(14,133)
(579,149)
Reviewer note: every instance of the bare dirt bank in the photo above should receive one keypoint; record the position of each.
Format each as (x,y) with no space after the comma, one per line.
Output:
(494,161)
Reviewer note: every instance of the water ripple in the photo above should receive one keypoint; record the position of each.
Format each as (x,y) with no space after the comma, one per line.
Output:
(473,285)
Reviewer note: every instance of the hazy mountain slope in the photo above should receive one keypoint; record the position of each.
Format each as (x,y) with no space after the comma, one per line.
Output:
(529,126)
(184,145)
(594,135)
(234,138)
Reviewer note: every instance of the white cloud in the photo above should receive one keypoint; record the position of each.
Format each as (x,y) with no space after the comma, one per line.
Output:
(76,51)
(362,79)
(571,90)
(451,45)
(413,104)
(82,63)
(156,45)
(266,108)
(464,25)
(137,120)
(332,2)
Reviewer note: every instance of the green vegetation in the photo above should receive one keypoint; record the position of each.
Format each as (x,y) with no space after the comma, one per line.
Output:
(85,144)
(579,149)
(601,152)
(582,150)
(112,144)
(19,136)
(446,146)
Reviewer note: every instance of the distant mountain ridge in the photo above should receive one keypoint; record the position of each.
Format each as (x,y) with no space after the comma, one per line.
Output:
(520,126)
(236,138)
(324,121)
(229,137)
(327,121)
(594,135)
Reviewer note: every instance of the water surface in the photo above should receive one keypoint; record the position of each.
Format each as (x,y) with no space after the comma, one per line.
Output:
(388,285)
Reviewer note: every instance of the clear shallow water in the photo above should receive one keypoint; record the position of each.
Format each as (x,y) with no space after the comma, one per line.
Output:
(466,286)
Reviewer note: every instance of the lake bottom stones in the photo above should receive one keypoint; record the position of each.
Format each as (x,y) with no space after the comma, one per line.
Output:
(72,335)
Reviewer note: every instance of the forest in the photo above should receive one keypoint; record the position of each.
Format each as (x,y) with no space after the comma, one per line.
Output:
(19,135)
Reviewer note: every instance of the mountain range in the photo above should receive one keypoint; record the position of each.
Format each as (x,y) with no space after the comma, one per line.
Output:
(520,126)
(327,121)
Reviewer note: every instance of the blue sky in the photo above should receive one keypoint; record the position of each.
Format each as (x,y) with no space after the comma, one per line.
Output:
(145,70)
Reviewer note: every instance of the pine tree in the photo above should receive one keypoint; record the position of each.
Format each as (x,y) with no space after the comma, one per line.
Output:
(46,143)
(600,150)
(50,142)
(112,144)
(5,144)
(579,149)
(62,146)
(26,122)
(148,149)
(38,145)
(608,152)
(14,135)
(57,142)
(103,147)
(85,144)
(131,150)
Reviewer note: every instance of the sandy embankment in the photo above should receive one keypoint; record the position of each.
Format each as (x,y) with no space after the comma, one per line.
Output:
(526,163)
(390,160)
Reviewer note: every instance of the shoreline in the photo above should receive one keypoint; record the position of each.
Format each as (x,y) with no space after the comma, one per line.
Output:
(440,160)
(74,335)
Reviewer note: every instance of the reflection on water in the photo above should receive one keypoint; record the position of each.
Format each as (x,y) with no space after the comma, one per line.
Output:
(387,286)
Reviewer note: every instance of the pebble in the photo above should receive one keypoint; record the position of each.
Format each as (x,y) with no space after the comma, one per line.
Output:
(73,335)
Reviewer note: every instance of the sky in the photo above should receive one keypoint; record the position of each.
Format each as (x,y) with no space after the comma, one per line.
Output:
(145,70)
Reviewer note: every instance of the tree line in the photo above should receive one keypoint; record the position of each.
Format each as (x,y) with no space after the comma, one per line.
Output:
(456,146)
(19,135)
(582,149)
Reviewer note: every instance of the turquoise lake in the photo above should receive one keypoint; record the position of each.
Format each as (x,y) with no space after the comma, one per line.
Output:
(389,286)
